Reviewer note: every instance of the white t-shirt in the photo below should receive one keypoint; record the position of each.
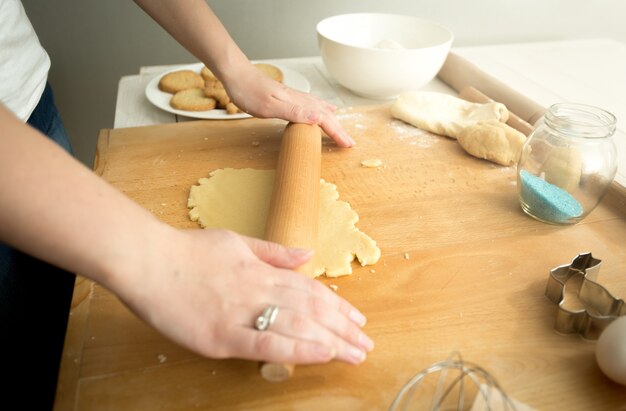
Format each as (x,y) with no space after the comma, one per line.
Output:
(24,64)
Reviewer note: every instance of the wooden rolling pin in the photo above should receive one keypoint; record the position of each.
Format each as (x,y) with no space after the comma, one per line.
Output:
(459,73)
(293,215)
(470,93)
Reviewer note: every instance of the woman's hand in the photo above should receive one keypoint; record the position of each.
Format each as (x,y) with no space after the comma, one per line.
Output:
(201,288)
(205,288)
(261,96)
(198,29)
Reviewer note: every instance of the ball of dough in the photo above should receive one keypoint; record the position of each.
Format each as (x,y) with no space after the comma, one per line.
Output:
(493,141)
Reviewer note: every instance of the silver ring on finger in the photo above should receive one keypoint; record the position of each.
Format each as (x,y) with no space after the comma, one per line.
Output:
(266,319)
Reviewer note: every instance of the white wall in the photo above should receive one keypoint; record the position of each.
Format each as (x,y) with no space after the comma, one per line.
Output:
(93,43)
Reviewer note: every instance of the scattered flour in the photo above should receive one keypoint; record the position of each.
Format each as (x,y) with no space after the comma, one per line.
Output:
(349,116)
(403,131)
(419,137)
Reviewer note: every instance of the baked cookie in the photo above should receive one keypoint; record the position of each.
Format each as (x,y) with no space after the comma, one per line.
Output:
(215,89)
(232,108)
(180,80)
(207,74)
(271,71)
(213,84)
(192,99)
(219,94)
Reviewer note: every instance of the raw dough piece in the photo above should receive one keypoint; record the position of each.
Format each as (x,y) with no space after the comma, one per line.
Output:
(339,241)
(239,200)
(372,163)
(493,141)
(234,199)
(443,114)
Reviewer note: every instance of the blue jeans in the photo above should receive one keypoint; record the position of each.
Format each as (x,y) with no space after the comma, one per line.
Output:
(35,299)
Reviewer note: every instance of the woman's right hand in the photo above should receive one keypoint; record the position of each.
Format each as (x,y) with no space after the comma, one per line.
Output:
(205,288)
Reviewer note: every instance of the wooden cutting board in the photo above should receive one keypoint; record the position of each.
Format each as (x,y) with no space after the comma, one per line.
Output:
(463,269)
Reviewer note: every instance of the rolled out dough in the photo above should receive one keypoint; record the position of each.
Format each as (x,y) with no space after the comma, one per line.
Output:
(239,200)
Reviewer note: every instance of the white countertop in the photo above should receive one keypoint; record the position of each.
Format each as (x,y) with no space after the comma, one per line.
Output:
(589,71)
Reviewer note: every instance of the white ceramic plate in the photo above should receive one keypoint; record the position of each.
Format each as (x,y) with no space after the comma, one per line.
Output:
(161,99)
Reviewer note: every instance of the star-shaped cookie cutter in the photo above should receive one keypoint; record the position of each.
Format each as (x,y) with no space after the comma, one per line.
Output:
(595,307)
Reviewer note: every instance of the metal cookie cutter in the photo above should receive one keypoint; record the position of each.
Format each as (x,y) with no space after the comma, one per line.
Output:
(592,308)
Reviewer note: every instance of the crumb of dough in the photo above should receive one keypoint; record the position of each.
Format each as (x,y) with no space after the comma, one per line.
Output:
(406,256)
(372,163)
(334,287)
(162,358)
(256,143)
(372,271)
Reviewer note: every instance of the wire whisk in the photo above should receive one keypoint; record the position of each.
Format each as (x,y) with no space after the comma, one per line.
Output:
(460,385)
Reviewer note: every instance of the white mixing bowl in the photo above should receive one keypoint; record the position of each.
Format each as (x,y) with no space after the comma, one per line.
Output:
(381,55)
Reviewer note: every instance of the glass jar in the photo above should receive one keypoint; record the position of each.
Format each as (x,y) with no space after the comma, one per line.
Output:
(567,163)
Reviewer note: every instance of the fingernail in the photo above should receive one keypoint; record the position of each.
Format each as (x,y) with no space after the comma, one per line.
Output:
(366,342)
(356,356)
(357,318)
(300,252)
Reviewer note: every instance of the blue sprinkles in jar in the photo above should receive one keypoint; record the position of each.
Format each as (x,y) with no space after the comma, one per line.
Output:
(572,140)
(548,202)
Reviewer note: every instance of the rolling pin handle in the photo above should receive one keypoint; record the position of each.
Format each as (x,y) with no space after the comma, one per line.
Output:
(459,73)
(472,94)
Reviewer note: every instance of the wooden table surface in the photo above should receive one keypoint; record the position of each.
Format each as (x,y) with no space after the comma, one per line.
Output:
(463,269)
(589,71)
